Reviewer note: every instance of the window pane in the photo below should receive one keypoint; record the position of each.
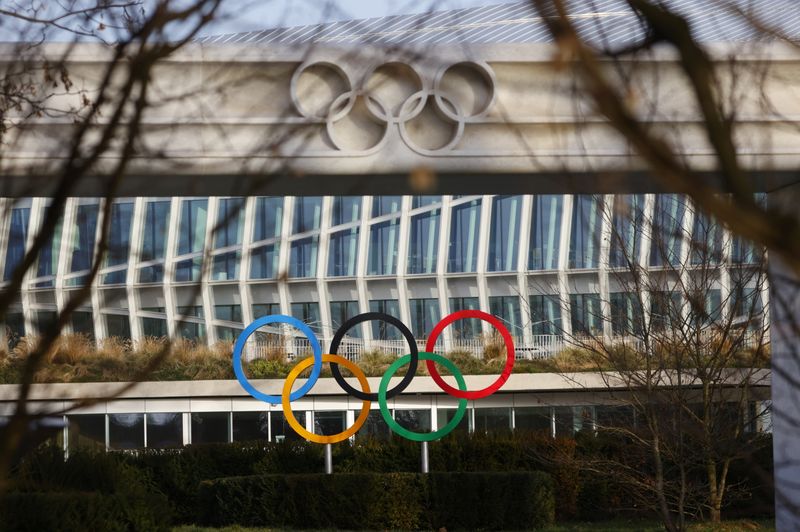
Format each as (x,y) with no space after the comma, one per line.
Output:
(341,311)
(626,313)
(424,201)
(626,232)
(424,315)
(15,328)
(82,323)
(546,314)
(382,330)
(327,423)
(49,256)
(385,205)
(280,428)
(424,242)
(192,229)
(504,240)
(87,431)
(230,219)
(156,223)
(126,431)
(154,327)
(164,430)
(45,319)
(532,418)
(210,427)
(307,213)
(269,215)
(264,262)
(191,330)
(346,209)
(307,313)
(303,257)
(586,314)
(464,227)
(414,420)
(545,232)
(383,248)
(250,426)
(584,244)
(667,231)
(228,312)
(118,326)
(374,428)
(343,253)
(17,236)
(508,310)
(265,309)
(492,419)
(83,241)
(445,415)
(225,266)
(469,328)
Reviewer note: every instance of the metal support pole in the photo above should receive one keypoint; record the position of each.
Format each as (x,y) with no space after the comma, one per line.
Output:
(424,457)
(328,459)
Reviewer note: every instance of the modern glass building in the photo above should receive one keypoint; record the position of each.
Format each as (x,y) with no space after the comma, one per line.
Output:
(550,266)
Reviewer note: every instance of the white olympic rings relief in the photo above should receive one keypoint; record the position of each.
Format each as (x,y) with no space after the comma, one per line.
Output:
(366,112)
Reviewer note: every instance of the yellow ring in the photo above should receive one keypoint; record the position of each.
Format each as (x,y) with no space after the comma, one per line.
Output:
(287,406)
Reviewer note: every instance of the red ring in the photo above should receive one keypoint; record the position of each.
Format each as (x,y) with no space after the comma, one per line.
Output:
(489,390)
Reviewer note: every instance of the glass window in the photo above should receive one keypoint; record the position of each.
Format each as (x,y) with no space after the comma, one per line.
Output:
(192,228)
(382,205)
(626,313)
(545,232)
(210,427)
(119,240)
(565,426)
(87,431)
(156,224)
(225,266)
(507,308)
(126,431)
(466,329)
(746,302)
(424,201)
(492,419)
(586,314)
(533,418)
(17,237)
(614,416)
(228,312)
(303,257)
(265,309)
(327,423)
(118,326)
(154,327)
(49,256)
(744,251)
(164,430)
(374,427)
(343,253)
(425,315)
(341,311)
(414,420)
(424,242)
(82,323)
(191,330)
(269,216)
(227,334)
(546,315)
(281,430)
(307,213)
(667,231)
(382,330)
(230,219)
(504,240)
(665,309)
(346,209)
(445,415)
(264,262)
(584,243)
(464,227)
(45,319)
(307,313)
(250,426)
(83,240)
(626,230)
(383,248)
(15,327)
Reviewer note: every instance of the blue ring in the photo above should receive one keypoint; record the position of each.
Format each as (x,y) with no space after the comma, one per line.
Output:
(257,324)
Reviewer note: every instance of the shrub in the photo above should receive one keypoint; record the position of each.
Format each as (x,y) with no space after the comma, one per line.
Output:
(381,501)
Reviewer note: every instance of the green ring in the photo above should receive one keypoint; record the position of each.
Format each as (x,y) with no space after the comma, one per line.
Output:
(404,432)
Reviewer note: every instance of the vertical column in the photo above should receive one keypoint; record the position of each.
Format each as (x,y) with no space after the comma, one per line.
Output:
(244,263)
(361,264)
(606,219)
(207,265)
(94,298)
(522,269)
(402,258)
(484,231)
(134,257)
(64,263)
(322,271)
(34,225)
(442,258)
(644,255)
(6,205)
(284,254)
(170,250)
(563,264)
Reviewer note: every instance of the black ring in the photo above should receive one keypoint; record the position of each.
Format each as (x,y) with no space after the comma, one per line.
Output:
(412,365)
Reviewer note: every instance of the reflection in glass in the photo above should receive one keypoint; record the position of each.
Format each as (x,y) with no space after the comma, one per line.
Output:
(264,262)
(383,248)
(504,239)
(546,314)
(118,326)
(164,430)
(17,237)
(49,256)
(445,415)
(626,313)
(154,327)
(492,419)
(508,310)
(587,316)
(382,205)
(156,223)
(464,237)
(346,209)
(250,426)
(533,418)
(343,253)
(424,242)
(666,234)
(82,323)
(307,313)
(584,244)
(374,428)
(382,330)
(424,315)
(83,240)
(210,427)
(327,423)
(414,420)
(87,431)
(545,232)
(125,431)
(341,311)
(627,228)
(466,329)
(281,431)
(307,213)
(303,257)
(119,241)
(424,201)
(269,215)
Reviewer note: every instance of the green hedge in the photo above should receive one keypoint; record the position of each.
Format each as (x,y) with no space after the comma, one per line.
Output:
(494,501)
(79,511)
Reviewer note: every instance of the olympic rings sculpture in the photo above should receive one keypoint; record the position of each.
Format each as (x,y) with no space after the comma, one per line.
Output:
(384,393)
